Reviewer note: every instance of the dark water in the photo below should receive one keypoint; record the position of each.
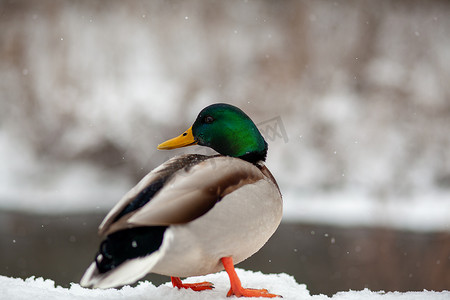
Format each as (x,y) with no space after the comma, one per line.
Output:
(327,259)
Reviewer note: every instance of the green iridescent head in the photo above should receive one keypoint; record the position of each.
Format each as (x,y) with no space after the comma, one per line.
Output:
(226,129)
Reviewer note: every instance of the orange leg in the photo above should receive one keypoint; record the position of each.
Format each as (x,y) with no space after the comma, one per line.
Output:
(200,286)
(236,287)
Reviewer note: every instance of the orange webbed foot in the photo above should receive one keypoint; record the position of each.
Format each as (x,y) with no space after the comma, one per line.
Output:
(199,286)
(236,287)
(251,293)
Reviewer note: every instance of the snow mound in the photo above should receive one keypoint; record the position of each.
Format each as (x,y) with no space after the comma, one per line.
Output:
(282,284)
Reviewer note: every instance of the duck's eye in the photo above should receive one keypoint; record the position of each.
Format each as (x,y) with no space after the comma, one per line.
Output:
(209,119)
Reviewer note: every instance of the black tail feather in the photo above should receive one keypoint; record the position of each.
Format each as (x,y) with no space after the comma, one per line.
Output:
(128,244)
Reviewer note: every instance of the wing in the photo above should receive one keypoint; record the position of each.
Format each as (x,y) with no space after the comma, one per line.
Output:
(147,188)
(187,194)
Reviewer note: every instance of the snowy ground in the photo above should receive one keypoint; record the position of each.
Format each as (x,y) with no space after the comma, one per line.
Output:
(282,284)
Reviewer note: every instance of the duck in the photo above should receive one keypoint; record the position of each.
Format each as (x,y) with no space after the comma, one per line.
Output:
(194,214)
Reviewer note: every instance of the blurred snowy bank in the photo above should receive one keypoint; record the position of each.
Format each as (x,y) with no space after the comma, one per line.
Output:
(43,188)
(282,284)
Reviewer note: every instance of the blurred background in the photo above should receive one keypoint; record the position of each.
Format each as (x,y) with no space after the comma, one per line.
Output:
(353,98)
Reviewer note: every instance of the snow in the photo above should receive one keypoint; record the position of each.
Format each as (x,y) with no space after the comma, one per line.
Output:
(281,284)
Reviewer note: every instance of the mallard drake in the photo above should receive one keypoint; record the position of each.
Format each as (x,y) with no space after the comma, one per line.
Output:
(194,214)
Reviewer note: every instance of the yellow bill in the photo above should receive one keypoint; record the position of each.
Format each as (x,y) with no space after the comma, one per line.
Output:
(186,139)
